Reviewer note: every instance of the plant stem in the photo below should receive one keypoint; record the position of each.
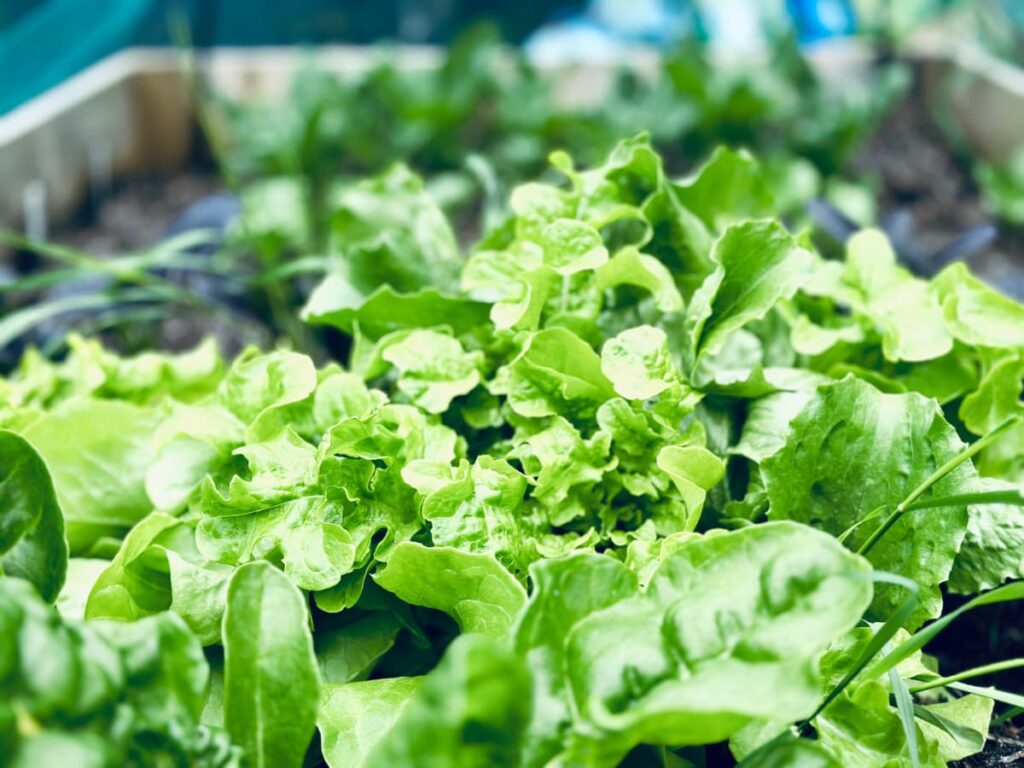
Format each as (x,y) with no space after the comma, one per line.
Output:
(938,474)
(985,669)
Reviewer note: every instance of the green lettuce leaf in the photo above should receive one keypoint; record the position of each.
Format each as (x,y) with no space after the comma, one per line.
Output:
(99,475)
(853,450)
(271,679)
(32,545)
(474,589)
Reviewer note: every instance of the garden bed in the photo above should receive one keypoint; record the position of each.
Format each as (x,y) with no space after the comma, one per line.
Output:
(616,469)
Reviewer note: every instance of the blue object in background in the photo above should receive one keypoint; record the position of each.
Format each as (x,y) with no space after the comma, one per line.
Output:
(817,20)
(44,42)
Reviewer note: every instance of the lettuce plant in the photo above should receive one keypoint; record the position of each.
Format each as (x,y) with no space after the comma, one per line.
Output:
(641,478)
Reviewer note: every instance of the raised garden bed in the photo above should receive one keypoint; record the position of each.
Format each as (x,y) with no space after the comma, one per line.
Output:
(618,469)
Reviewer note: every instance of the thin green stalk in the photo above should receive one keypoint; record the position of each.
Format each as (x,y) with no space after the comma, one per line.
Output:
(1009,714)
(878,641)
(964,455)
(917,641)
(1013,699)
(116,268)
(905,709)
(985,669)
(981,497)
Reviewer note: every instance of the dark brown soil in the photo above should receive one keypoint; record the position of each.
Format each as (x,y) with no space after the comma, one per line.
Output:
(1005,748)
(137,213)
(927,183)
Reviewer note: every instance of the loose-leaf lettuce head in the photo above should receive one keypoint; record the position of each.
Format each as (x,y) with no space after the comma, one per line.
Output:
(101,693)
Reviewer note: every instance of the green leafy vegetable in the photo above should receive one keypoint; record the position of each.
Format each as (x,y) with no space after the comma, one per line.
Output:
(271,682)
(637,476)
(32,545)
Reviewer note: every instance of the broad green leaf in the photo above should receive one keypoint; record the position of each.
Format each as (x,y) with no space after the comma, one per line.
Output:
(905,310)
(558,461)
(791,591)
(98,452)
(727,188)
(556,372)
(156,569)
(391,231)
(199,594)
(146,377)
(317,555)
(565,592)
(190,443)
(433,369)
(386,310)
(348,653)
(694,470)
(767,423)
(757,265)
(271,683)
(790,753)
(959,726)
(133,585)
(638,363)
(863,731)
(470,711)
(536,205)
(630,267)
(304,534)
(275,211)
(853,450)
(572,246)
(256,384)
(165,663)
(997,397)
(474,589)
(976,314)
(515,281)
(281,467)
(32,545)
(475,509)
(355,718)
(993,548)
(674,664)
(68,677)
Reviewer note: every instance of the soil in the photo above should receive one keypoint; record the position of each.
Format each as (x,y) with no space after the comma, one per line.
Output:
(927,195)
(1005,748)
(137,213)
